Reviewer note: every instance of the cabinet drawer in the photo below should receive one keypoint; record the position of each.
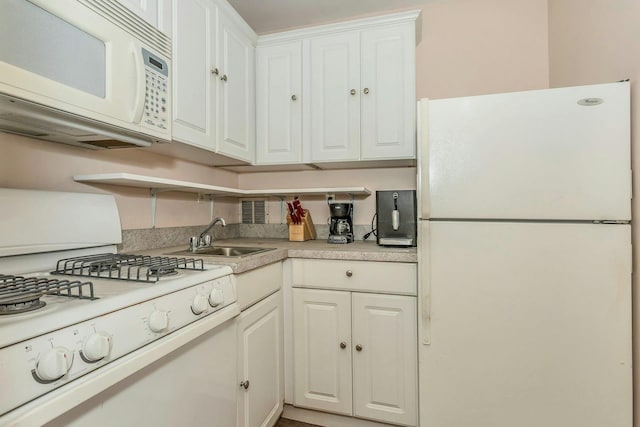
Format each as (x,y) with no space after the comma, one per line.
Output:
(257,284)
(370,276)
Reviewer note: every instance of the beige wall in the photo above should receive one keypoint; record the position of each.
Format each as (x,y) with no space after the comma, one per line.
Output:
(598,41)
(373,179)
(474,47)
(468,47)
(33,164)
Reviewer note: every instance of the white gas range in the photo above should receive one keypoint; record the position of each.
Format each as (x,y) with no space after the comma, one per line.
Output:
(73,327)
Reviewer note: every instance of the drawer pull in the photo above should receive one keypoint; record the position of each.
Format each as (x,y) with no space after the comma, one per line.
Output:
(343,345)
(245,384)
(349,273)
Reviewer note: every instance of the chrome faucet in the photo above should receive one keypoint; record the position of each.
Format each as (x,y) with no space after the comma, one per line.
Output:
(204,239)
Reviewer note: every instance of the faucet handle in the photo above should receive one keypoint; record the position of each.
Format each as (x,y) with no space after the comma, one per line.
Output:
(206,240)
(193,243)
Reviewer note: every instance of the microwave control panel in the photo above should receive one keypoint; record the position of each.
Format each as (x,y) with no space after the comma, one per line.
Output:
(156,100)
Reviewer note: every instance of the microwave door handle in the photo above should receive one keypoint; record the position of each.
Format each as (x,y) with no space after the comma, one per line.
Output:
(138,102)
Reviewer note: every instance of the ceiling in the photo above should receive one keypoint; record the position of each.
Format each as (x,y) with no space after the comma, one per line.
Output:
(269,16)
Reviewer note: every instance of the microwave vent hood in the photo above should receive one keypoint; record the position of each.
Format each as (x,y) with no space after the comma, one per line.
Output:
(25,118)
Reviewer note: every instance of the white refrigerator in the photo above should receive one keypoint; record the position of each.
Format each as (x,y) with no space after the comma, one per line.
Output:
(525,259)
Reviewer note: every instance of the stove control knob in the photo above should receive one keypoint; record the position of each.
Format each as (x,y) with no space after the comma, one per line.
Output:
(97,346)
(200,304)
(159,321)
(216,297)
(54,364)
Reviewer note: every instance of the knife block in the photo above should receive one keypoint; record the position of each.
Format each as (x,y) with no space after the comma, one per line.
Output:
(304,231)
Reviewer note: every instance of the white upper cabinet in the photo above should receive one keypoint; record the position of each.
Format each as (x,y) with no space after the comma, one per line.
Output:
(236,80)
(357,98)
(388,96)
(279,103)
(334,113)
(194,61)
(214,78)
(362,89)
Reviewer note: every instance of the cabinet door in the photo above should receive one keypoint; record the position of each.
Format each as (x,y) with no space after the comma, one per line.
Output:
(193,82)
(388,93)
(279,103)
(322,350)
(236,131)
(385,365)
(334,110)
(261,363)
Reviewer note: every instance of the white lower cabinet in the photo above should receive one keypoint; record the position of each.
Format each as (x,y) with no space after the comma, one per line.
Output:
(322,350)
(355,354)
(260,363)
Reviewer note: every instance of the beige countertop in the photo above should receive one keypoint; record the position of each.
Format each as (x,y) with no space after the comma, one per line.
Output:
(316,249)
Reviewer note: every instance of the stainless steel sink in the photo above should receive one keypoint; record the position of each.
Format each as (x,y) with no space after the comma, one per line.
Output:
(222,251)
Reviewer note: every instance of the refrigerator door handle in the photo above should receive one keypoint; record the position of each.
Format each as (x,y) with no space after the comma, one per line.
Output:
(424,284)
(423,159)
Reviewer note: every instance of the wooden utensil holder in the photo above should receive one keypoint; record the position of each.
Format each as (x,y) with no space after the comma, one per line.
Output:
(304,231)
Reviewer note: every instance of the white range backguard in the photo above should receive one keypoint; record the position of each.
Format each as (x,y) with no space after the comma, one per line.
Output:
(158,349)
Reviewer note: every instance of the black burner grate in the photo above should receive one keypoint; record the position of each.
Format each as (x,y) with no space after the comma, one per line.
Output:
(19,294)
(137,268)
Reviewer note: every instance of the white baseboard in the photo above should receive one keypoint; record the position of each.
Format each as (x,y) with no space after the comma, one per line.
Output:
(325,419)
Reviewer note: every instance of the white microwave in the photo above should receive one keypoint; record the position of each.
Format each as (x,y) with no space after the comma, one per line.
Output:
(83,72)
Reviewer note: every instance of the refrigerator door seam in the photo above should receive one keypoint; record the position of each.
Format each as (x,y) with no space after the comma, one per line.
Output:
(541,221)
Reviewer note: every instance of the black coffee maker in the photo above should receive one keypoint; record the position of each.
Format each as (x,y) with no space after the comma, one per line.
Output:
(340,223)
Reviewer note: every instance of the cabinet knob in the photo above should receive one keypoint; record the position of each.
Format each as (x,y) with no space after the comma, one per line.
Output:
(245,384)
(352,92)
(366,90)
(215,71)
(223,78)
(349,273)
(343,345)
(293,97)
(358,347)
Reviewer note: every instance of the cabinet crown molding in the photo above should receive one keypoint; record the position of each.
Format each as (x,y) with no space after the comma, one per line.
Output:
(356,24)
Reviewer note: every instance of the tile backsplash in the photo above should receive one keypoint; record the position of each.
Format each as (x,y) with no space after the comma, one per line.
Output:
(151,238)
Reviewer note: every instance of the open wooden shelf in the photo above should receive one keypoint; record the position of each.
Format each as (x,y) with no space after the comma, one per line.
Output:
(162,184)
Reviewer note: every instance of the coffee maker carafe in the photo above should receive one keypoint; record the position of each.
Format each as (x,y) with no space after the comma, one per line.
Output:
(340,223)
